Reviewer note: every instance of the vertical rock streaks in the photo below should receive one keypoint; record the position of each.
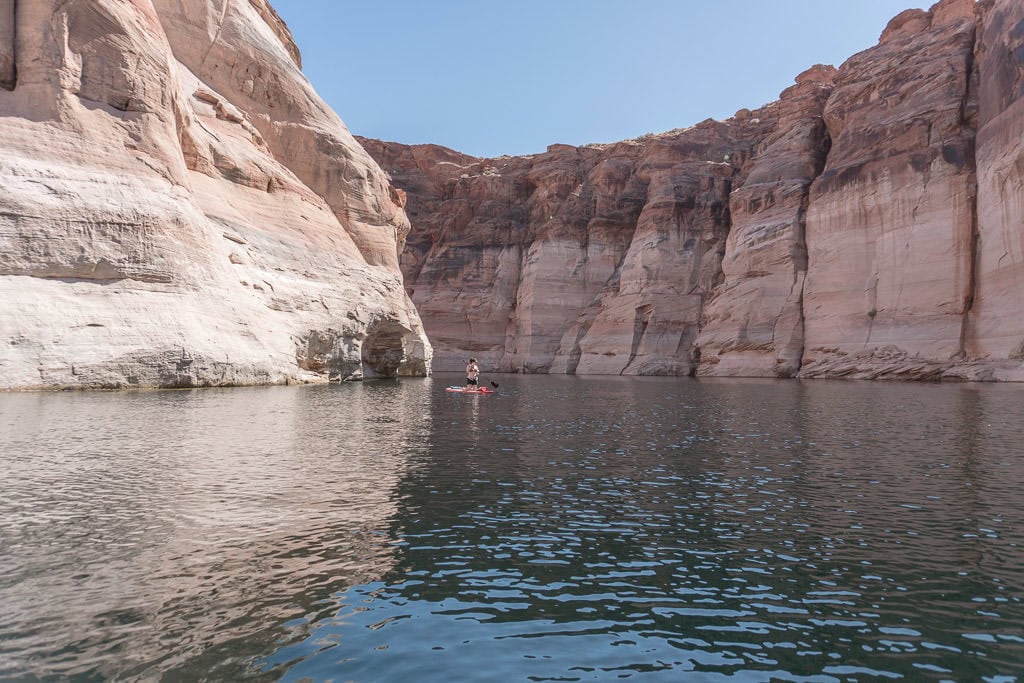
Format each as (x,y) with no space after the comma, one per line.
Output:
(889,219)
(189,211)
(996,322)
(594,259)
(868,224)
(753,325)
(8,37)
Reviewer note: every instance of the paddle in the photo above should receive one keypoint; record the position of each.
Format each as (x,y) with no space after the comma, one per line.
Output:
(494,384)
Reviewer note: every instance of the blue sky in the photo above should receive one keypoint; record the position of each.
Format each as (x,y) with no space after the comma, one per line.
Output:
(491,77)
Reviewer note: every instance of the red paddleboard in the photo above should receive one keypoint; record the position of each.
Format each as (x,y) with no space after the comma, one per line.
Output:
(464,390)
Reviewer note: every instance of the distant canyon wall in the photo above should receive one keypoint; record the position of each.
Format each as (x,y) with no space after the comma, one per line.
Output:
(178,207)
(868,224)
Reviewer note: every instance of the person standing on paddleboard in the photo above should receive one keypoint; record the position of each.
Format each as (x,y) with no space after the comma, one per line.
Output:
(472,375)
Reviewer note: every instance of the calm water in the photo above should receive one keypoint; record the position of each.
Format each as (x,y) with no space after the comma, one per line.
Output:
(563,529)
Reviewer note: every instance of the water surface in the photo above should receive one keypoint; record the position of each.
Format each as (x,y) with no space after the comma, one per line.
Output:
(563,529)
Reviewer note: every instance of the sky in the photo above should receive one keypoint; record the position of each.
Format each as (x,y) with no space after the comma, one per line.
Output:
(492,77)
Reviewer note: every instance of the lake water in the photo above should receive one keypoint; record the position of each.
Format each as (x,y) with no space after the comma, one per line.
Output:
(563,529)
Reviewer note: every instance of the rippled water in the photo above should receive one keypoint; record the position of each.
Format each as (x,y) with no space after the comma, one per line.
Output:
(563,529)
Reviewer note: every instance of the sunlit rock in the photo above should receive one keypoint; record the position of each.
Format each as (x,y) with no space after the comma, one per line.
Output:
(996,331)
(753,324)
(179,208)
(590,260)
(890,218)
(849,229)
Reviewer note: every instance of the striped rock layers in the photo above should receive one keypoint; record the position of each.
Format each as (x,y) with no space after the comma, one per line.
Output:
(179,208)
(868,224)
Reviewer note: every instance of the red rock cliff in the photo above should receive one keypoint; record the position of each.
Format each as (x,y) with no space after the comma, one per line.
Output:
(591,260)
(867,224)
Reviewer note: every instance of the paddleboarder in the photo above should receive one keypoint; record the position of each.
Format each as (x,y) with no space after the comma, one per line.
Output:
(472,375)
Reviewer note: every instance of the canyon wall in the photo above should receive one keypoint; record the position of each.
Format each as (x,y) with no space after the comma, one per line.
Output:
(591,260)
(890,219)
(868,224)
(996,321)
(178,207)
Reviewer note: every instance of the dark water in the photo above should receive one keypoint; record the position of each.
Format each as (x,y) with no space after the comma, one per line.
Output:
(564,529)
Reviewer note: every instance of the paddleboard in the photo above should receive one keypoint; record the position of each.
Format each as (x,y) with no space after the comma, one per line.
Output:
(463,390)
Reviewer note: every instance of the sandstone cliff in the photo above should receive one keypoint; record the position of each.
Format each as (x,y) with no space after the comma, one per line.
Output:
(996,321)
(868,224)
(179,208)
(589,260)
(890,219)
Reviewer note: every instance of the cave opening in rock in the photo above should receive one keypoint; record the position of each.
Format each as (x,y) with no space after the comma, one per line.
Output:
(383,350)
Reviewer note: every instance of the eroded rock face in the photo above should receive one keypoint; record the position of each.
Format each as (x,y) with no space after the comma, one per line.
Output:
(753,325)
(8,72)
(996,330)
(590,260)
(179,208)
(890,219)
(851,229)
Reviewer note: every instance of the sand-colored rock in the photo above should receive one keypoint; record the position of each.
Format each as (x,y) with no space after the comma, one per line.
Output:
(594,259)
(996,330)
(178,207)
(862,235)
(649,312)
(754,324)
(161,218)
(890,219)
(220,40)
(465,265)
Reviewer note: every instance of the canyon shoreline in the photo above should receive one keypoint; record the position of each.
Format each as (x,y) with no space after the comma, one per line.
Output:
(179,208)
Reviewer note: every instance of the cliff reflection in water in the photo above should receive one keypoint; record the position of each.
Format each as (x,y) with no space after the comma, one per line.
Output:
(177,531)
(564,528)
(573,528)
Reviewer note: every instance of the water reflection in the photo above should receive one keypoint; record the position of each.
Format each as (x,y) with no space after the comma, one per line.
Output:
(620,528)
(563,529)
(178,531)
